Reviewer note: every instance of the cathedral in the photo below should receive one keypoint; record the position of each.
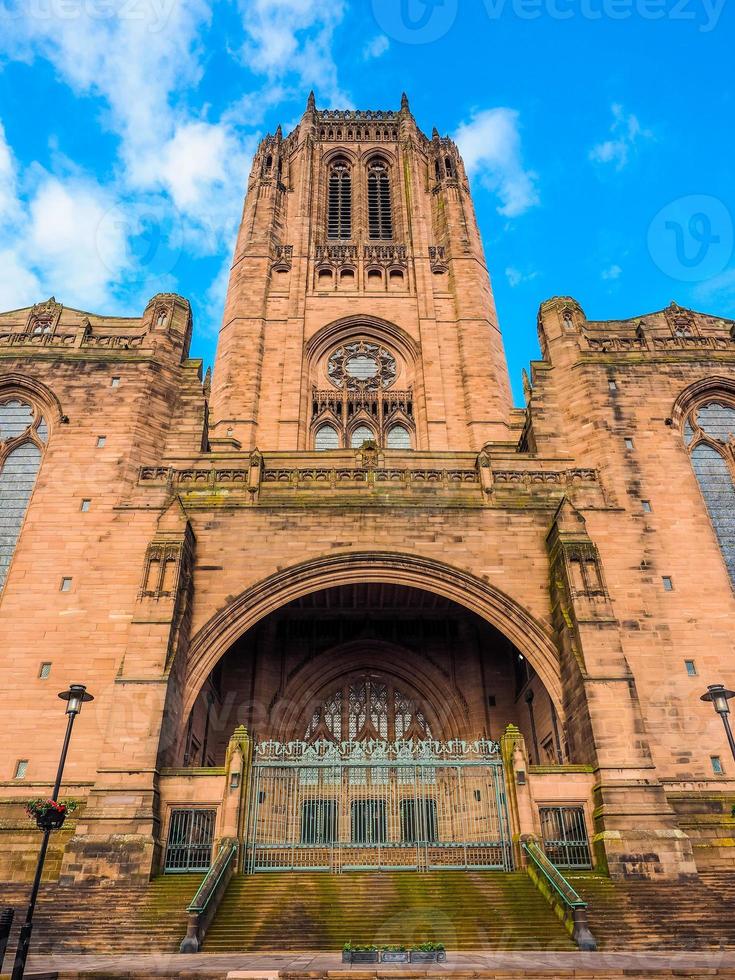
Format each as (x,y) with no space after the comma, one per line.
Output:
(341,605)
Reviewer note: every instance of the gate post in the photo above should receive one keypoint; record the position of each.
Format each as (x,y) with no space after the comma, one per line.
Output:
(521,808)
(238,764)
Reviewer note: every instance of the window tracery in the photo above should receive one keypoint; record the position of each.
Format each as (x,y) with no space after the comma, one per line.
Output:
(23,437)
(363,708)
(361,365)
(363,403)
(709,435)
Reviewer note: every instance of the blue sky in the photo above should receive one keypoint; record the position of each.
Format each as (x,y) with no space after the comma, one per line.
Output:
(598,133)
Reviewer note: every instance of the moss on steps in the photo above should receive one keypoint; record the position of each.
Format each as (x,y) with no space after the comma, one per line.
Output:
(465,910)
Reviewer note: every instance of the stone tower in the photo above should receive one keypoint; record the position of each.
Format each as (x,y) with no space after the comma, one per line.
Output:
(359,214)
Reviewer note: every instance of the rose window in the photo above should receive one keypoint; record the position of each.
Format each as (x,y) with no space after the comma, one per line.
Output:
(362,366)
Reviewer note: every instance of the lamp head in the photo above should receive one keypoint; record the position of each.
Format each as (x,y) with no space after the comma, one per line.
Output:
(75,698)
(719,695)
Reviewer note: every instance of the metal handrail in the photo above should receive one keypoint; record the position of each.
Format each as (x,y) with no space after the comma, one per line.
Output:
(212,888)
(201,910)
(553,875)
(574,908)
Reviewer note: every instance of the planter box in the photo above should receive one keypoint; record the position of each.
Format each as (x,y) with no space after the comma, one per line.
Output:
(51,820)
(368,956)
(393,956)
(436,956)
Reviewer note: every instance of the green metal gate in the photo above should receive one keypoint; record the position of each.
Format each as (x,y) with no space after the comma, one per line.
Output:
(402,805)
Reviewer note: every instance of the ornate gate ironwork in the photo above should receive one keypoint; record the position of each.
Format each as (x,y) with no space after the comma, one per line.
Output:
(404,805)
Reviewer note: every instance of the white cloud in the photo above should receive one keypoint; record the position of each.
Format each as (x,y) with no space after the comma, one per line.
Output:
(9,204)
(295,37)
(626,132)
(67,238)
(376,48)
(490,144)
(80,238)
(19,285)
(515,277)
(612,272)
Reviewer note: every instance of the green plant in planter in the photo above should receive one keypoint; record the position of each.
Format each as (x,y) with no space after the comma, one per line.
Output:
(429,948)
(40,807)
(350,948)
(393,949)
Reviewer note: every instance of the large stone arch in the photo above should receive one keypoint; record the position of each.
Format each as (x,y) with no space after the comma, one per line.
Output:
(216,637)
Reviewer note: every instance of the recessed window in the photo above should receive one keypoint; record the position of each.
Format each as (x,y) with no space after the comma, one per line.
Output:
(646,505)
(612,385)
(347,276)
(691,668)
(101,441)
(398,438)
(374,278)
(86,504)
(327,437)
(44,671)
(628,443)
(668,583)
(115,383)
(716,765)
(707,433)
(380,218)
(21,768)
(325,277)
(18,471)
(65,585)
(360,436)
(339,203)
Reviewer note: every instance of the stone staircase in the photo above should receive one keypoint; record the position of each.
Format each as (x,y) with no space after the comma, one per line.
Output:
(107,917)
(463,910)
(672,915)
(488,911)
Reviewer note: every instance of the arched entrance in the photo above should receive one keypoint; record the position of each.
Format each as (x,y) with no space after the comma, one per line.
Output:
(376,707)
(529,637)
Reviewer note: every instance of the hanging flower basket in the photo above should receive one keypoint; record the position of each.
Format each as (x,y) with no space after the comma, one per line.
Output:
(49,814)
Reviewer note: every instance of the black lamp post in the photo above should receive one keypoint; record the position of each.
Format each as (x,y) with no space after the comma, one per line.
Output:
(719,695)
(75,698)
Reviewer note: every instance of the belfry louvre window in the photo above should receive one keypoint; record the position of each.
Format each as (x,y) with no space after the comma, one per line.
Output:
(23,433)
(339,206)
(707,432)
(380,216)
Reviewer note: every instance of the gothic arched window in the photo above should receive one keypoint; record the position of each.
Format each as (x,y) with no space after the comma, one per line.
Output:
(368,707)
(327,437)
(339,206)
(398,437)
(23,435)
(361,435)
(380,214)
(709,434)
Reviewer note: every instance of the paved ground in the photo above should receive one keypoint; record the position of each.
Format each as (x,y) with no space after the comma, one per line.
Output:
(268,965)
